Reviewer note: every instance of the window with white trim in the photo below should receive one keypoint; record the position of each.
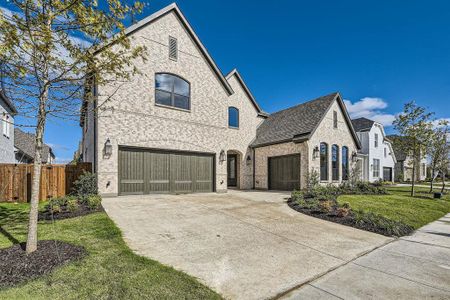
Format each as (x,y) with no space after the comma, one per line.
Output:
(6,125)
(376,140)
(376,167)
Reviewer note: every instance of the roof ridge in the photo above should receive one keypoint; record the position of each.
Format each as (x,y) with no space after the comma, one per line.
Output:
(300,104)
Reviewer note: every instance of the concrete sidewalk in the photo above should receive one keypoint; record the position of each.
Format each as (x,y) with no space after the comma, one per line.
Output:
(413,267)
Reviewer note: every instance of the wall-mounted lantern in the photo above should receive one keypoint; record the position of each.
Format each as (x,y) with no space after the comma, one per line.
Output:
(248,160)
(222,156)
(354,156)
(316,152)
(108,148)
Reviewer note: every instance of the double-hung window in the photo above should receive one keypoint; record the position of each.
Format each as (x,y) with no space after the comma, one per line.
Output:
(376,168)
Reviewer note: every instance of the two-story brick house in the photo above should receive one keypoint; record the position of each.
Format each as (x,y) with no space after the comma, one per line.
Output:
(182,126)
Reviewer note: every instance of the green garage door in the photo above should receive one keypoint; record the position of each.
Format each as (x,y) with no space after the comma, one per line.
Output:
(149,171)
(284,172)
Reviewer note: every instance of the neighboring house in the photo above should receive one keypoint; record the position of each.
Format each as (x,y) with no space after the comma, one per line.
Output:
(182,126)
(7,113)
(377,157)
(24,147)
(403,167)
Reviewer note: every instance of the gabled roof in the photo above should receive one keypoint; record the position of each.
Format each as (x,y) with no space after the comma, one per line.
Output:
(174,8)
(8,103)
(298,123)
(235,72)
(362,124)
(25,142)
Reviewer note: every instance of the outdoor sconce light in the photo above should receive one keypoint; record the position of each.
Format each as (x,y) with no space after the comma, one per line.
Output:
(108,148)
(354,156)
(316,152)
(249,160)
(222,156)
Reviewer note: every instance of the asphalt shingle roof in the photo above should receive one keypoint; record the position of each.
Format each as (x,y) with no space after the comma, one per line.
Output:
(296,122)
(8,102)
(25,142)
(362,124)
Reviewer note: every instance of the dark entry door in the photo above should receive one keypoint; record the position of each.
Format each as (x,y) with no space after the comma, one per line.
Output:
(284,172)
(232,170)
(143,171)
(387,174)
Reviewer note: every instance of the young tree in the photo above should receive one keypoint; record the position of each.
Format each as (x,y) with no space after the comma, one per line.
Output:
(49,51)
(444,164)
(415,125)
(438,151)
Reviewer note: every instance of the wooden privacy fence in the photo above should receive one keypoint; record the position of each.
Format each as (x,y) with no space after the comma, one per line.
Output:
(56,180)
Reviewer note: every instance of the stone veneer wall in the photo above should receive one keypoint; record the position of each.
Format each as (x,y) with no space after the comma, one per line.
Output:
(131,118)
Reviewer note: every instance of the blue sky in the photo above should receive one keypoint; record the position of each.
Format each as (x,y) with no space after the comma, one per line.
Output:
(378,54)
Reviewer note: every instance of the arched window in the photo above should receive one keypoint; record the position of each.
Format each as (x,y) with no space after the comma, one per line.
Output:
(324,161)
(171,90)
(233,117)
(335,162)
(345,163)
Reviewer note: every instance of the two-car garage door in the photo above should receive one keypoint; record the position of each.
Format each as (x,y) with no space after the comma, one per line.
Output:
(144,171)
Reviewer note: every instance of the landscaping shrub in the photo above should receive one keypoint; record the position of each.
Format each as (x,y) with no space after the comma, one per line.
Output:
(93,201)
(85,186)
(321,201)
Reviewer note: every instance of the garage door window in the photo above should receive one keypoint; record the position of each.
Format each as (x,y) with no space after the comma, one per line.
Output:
(172,90)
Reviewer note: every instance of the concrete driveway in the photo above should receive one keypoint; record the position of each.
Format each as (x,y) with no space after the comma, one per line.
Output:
(244,245)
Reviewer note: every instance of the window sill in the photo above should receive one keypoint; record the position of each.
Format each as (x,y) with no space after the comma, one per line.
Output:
(172,107)
(232,127)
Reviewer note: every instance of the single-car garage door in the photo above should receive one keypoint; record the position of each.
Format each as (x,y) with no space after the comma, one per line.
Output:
(143,171)
(284,172)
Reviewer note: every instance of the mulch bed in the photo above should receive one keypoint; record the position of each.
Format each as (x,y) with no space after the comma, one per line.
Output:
(347,220)
(65,214)
(17,267)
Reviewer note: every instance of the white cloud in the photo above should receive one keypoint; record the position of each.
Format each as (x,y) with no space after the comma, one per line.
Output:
(370,108)
(438,121)
(62,160)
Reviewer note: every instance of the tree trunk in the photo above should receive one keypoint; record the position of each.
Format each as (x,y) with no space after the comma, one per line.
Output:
(432,180)
(443,183)
(35,185)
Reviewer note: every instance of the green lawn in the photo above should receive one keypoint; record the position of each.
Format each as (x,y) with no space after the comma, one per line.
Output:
(110,271)
(400,206)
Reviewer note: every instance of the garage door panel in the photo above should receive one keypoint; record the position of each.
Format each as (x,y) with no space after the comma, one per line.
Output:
(203,178)
(284,172)
(131,172)
(158,172)
(181,170)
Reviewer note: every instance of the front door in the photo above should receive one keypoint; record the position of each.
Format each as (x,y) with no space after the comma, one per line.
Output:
(232,169)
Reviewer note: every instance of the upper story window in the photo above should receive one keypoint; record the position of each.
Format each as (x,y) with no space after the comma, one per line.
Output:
(172,90)
(173,48)
(233,117)
(376,140)
(335,119)
(324,161)
(5,125)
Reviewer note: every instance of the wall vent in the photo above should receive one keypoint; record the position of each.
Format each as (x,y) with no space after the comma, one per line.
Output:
(173,48)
